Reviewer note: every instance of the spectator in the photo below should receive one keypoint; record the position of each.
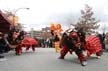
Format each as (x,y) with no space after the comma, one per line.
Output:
(103,45)
(2,47)
(101,41)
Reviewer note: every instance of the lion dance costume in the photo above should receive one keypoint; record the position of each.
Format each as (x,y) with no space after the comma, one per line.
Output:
(72,42)
(77,42)
(55,31)
(18,40)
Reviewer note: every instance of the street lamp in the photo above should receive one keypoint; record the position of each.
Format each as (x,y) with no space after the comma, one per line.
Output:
(14,16)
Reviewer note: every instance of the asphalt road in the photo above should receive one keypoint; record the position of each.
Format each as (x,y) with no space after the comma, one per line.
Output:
(46,59)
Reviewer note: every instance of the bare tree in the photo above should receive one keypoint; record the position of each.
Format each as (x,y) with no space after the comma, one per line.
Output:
(87,22)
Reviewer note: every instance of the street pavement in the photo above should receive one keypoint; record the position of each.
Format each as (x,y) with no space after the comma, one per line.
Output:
(46,59)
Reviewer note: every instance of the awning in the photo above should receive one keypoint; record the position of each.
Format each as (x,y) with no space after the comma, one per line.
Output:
(5,23)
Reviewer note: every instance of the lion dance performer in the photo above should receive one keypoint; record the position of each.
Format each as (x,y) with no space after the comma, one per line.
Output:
(75,40)
(13,39)
(26,42)
(16,40)
(71,41)
(55,31)
(94,45)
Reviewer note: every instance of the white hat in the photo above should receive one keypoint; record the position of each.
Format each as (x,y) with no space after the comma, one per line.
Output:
(72,27)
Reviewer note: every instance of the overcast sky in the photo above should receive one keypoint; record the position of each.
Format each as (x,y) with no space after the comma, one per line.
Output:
(43,12)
